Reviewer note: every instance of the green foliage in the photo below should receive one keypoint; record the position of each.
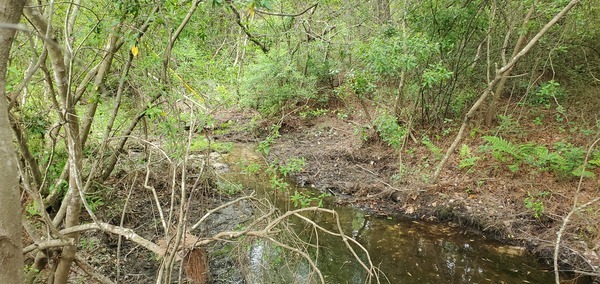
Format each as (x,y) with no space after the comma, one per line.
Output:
(535,203)
(292,166)
(278,183)
(362,131)
(29,268)
(265,145)
(389,130)
(565,161)
(467,159)
(462,100)
(548,93)
(448,23)
(437,151)
(36,123)
(252,168)
(313,113)
(274,81)
(94,201)
(509,125)
(572,158)
(342,115)
(362,83)
(87,244)
(435,74)
(303,200)
(62,188)
(32,209)
(153,112)
(229,188)
(392,53)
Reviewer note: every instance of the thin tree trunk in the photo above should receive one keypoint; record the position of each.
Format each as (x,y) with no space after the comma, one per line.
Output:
(25,152)
(491,113)
(73,140)
(11,257)
(492,84)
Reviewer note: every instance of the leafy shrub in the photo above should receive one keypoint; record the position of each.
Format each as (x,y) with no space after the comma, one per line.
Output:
(301,199)
(572,160)
(435,74)
(503,151)
(389,130)
(292,166)
(536,204)
(509,125)
(273,81)
(265,145)
(392,53)
(547,93)
(362,83)
(467,159)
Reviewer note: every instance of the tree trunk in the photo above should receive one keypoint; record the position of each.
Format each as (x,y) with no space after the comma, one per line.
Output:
(491,113)
(73,140)
(11,256)
(493,83)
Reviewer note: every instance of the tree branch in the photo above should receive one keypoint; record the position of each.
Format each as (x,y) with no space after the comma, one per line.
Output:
(287,15)
(252,38)
(491,85)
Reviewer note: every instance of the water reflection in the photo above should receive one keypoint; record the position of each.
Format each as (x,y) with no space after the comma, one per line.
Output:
(405,251)
(416,252)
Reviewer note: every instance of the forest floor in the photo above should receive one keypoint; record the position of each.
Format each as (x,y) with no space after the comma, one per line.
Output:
(353,164)
(361,170)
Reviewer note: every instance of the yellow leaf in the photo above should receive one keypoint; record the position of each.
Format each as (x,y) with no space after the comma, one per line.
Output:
(135,51)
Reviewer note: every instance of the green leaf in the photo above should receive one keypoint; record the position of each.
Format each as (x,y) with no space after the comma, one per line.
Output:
(580,172)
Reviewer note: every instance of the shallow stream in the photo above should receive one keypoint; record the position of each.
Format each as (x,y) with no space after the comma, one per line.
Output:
(405,251)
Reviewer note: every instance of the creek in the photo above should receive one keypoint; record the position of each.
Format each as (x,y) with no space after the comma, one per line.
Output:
(404,250)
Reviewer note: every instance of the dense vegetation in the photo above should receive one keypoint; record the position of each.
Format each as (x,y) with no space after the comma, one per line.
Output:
(516,82)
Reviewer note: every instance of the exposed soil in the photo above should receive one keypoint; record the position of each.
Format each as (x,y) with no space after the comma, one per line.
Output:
(363,171)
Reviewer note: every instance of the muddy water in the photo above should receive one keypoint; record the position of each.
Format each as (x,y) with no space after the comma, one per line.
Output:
(406,251)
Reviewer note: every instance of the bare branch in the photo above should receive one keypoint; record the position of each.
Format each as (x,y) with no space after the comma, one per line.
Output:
(313,6)
(574,209)
(251,37)
(117,230)
(210,212)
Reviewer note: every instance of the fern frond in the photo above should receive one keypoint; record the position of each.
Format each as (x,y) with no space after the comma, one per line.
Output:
(500,145)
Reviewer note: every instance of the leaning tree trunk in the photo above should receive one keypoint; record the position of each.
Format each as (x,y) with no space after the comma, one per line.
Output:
(494,82)
(11,256)
(491,112)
